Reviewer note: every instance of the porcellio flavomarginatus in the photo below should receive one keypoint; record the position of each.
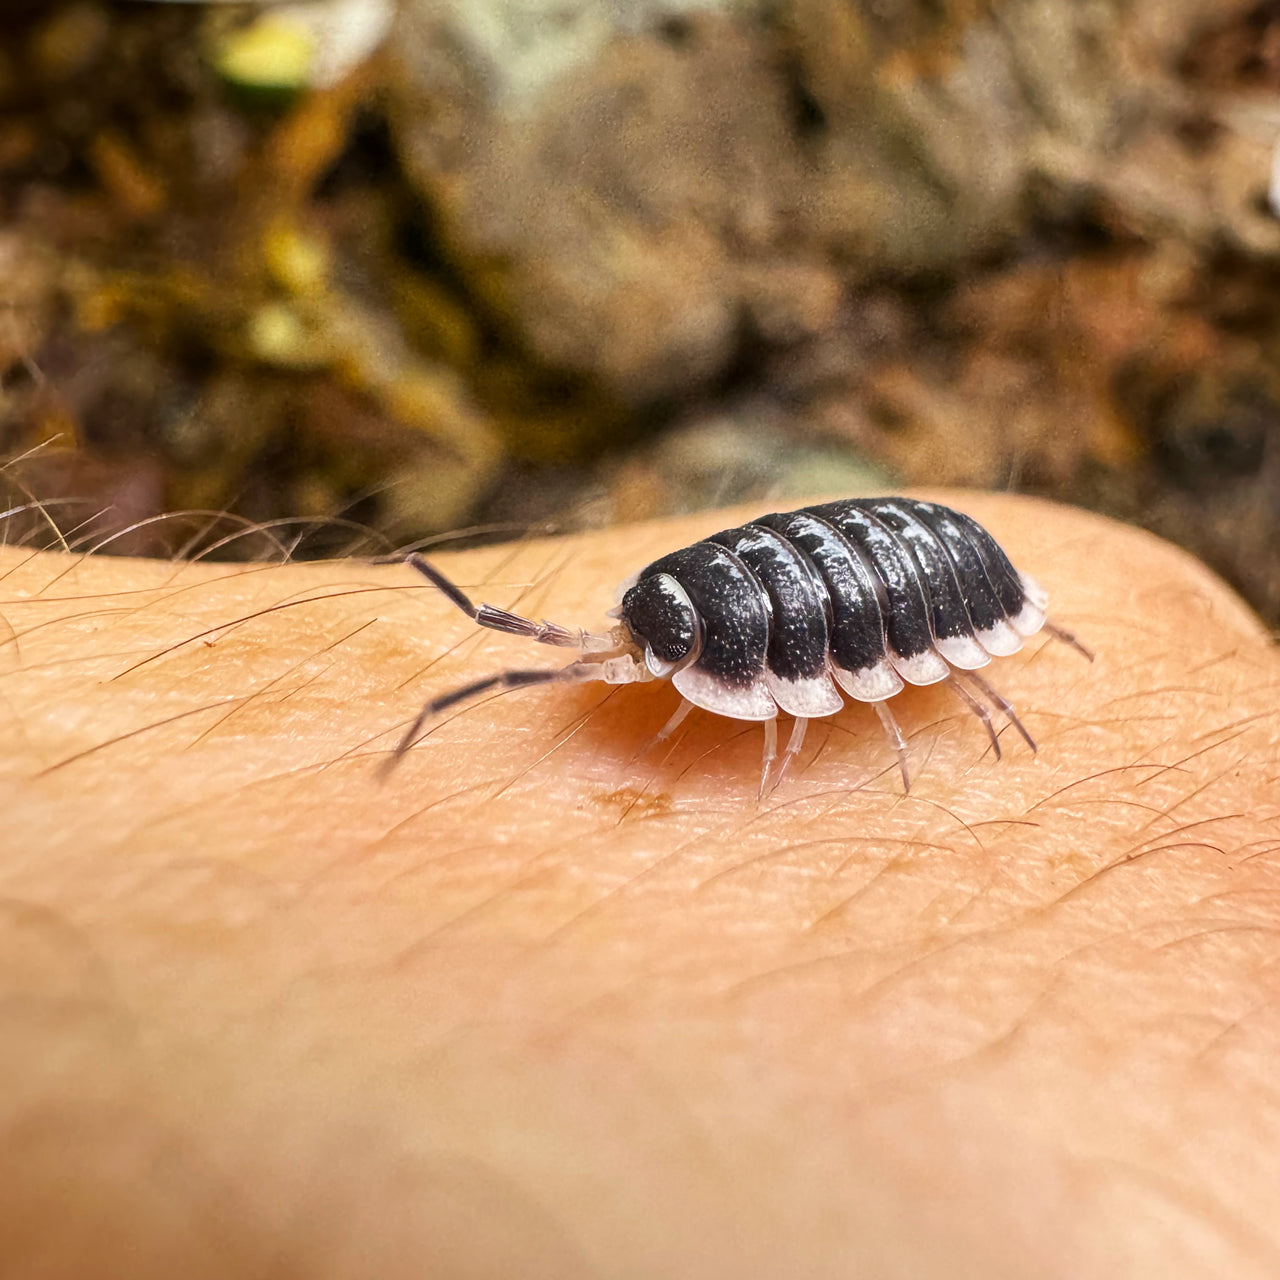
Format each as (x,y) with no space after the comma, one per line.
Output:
(786,612)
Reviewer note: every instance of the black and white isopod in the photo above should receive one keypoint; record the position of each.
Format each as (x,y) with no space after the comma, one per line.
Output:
(795,609)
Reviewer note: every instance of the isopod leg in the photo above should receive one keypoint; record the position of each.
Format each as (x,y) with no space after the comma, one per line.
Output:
(1004,704)
(1060,633)
(504,681)
(978,710)
(770,753)
(894,734)
(794,743)
(674,723)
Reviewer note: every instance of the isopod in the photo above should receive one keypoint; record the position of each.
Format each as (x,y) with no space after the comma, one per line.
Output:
(861,596)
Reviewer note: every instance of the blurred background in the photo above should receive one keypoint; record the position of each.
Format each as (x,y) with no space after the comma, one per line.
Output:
(335,276)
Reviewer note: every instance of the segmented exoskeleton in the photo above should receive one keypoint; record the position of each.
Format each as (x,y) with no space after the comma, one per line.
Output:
(788,611)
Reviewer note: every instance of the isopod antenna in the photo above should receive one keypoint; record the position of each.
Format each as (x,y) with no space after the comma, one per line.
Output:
(487,615)
(503,682)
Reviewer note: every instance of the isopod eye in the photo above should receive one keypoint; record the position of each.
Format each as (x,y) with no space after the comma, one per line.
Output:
(661,617)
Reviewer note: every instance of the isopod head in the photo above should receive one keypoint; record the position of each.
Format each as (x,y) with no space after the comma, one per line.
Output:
(661,621)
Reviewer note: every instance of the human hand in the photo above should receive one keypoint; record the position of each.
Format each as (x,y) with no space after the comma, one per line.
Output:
(548,1003)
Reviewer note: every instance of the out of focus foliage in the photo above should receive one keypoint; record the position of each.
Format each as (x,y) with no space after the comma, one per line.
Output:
(447,262)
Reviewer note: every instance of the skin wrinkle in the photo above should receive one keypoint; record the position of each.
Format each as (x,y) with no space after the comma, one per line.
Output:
(1194,1204)
(242,792)
(1220,929)
(559,741)
(1226,772)
(1021,1022)
(228,629)
(1184,827)
(258,695)
(617,891)
(842,907)
(399,928)
(668,1123)
(1268,850)
(1234,1028)
(933,955)
(122,738)
(216,1222)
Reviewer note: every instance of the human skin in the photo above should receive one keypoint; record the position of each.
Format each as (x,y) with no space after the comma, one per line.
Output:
(542,1002)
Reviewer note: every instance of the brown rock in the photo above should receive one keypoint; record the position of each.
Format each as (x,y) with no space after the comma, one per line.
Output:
(626,218)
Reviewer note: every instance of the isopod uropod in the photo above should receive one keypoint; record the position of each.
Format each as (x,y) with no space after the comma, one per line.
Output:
(785,612)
